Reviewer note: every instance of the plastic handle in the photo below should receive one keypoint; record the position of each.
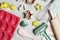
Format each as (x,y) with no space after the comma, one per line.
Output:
(46,35)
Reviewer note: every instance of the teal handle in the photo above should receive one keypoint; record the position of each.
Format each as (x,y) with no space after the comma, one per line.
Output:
(45,35)
(40,28)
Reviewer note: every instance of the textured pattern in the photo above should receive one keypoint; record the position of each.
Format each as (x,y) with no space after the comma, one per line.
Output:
(8,24)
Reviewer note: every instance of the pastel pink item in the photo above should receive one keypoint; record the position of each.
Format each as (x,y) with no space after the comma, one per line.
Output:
(24,33)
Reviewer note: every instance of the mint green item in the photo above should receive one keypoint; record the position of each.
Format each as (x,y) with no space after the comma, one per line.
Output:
(40,28)
(45,35)
(23,23)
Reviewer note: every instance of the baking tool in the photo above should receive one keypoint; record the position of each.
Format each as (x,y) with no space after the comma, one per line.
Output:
(45,35)
(41,29)
(8,24)
(43,11)
(24,33)
(55,23)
